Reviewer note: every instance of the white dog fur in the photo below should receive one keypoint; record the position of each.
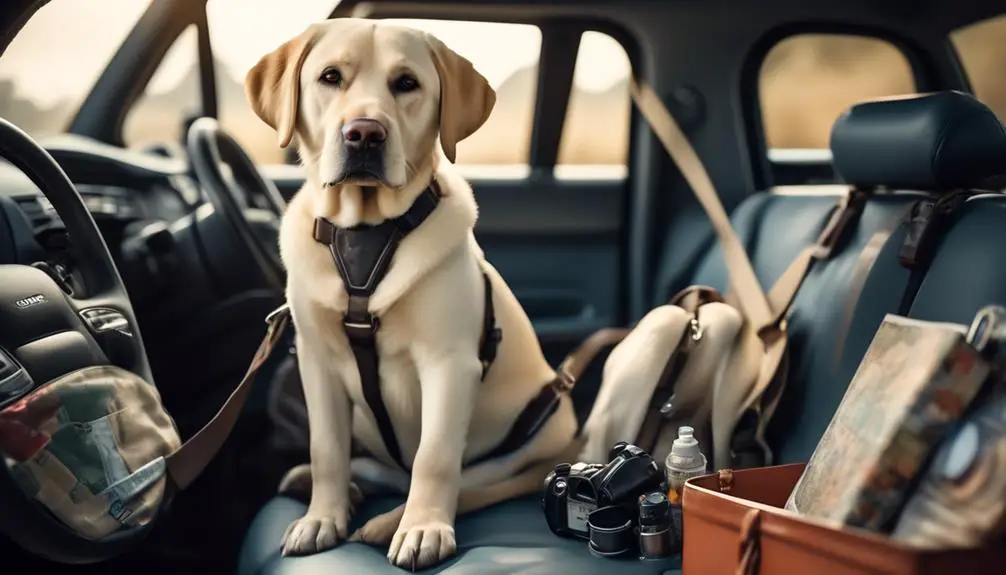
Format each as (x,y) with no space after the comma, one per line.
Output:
(430,303)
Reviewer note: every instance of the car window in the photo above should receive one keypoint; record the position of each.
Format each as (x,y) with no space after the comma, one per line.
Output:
(241,32)
(503,142)
(172,95)
(807,81)
(54,61)
(983,55)
(599,103)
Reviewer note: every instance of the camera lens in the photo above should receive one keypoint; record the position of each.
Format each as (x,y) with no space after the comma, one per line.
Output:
(654,510)
(655,540)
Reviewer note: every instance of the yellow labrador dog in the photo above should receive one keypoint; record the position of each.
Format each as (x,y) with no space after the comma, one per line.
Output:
(367,103)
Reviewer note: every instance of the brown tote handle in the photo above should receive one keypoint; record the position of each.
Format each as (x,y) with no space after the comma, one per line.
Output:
(750,544)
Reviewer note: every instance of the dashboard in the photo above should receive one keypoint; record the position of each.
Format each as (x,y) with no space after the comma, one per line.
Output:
(195,287)
(116,185)
(133,196)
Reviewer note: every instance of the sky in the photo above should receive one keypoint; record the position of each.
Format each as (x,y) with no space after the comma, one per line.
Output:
(63,48)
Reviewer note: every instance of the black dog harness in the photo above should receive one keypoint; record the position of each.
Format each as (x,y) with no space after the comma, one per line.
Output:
(362,255)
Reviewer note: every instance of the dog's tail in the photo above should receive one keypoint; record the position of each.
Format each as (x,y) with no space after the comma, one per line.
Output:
(297,482)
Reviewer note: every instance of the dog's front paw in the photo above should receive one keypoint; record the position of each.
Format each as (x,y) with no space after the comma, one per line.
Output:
(316,532)
(420,546)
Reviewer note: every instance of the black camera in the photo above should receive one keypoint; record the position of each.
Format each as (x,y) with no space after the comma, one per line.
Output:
(573,491)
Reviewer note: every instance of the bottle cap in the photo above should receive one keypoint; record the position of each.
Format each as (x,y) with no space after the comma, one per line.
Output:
(686,445)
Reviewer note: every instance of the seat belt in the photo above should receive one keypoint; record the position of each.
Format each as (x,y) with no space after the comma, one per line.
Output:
(763,310)
(783,292)
(754,302)
(764,313)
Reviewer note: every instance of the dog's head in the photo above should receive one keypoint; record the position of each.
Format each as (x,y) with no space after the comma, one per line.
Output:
(368,101)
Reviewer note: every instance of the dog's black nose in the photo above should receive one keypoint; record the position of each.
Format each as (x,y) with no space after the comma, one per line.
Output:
(363,133)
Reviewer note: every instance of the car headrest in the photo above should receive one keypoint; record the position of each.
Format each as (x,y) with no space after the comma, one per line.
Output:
(936,142)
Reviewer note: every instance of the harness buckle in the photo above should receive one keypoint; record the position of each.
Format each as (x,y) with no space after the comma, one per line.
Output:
(275,314)
(361,329)
(491,345)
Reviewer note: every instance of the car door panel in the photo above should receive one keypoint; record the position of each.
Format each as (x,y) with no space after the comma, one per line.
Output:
(557,244)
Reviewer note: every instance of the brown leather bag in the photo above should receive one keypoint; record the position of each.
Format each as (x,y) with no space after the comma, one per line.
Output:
(734,524)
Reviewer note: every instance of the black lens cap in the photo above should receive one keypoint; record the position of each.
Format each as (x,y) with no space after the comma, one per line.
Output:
(610,530)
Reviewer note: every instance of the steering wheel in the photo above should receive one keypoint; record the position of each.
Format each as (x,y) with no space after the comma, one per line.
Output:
(48,330)
(250,203)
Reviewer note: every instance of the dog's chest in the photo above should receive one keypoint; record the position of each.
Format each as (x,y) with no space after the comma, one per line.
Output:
(325,303)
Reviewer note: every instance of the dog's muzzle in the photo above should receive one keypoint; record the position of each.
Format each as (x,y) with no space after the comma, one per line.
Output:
(363,149)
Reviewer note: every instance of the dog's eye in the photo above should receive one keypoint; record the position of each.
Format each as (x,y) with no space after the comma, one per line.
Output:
(404,84)
(332,77)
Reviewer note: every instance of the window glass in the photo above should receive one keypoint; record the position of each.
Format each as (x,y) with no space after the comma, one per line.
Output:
(808,81)
(241,32)
(54,61)
(982,52)
(172,96)
(596,130)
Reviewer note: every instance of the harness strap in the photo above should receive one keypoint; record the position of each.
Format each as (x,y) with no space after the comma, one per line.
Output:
(362,256)
(491,334)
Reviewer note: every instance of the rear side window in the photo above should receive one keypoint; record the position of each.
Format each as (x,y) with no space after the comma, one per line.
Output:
(983,55)
(595,134)
(807,81)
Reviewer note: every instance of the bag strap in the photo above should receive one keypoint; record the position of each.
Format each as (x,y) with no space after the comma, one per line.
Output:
(186,463)
(749,550)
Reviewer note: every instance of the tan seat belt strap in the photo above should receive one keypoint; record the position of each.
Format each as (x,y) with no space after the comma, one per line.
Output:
(784,291)
(752,298)
(185,464)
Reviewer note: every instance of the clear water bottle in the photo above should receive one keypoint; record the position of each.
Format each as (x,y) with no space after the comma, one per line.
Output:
(683,462)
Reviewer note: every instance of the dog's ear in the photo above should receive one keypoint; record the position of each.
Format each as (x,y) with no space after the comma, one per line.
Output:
(273,85)
(466,98)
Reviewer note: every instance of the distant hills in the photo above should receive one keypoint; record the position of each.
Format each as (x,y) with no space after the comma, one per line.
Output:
(823,70)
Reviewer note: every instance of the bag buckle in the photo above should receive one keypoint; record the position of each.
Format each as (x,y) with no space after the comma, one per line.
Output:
(695,328)
(563,382)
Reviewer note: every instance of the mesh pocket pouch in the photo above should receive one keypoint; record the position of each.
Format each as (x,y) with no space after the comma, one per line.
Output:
(90,447)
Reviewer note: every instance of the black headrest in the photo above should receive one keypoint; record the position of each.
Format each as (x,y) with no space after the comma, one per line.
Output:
(936,142)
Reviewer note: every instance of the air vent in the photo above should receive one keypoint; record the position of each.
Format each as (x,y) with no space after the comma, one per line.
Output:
(38,209)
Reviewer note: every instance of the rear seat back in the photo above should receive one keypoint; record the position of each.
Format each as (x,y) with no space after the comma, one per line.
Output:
(917,144)
(969,270)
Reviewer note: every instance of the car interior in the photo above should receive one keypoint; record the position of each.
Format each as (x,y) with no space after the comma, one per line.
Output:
(788,104)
